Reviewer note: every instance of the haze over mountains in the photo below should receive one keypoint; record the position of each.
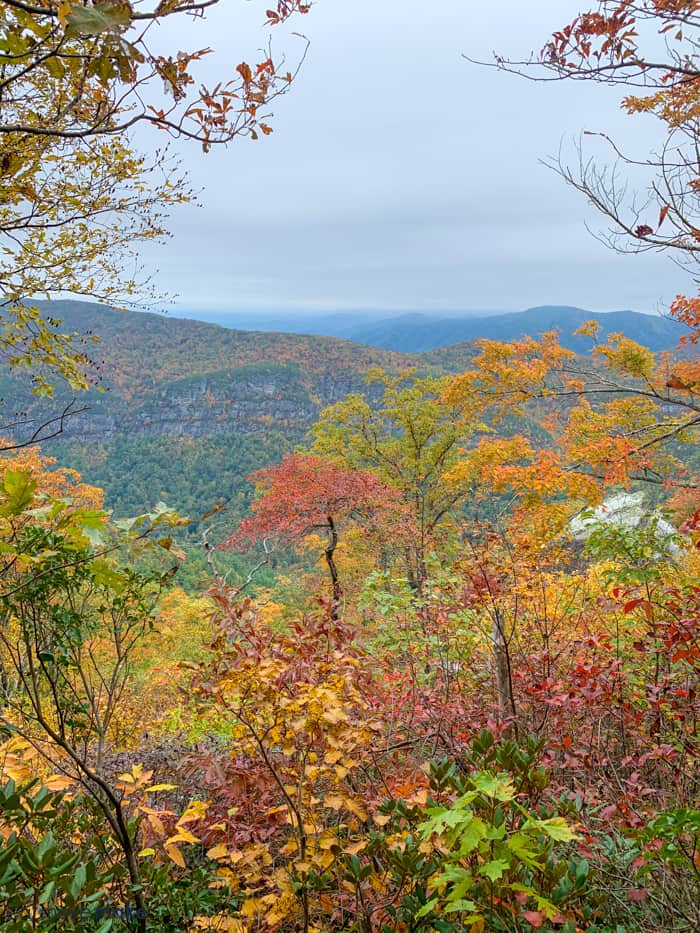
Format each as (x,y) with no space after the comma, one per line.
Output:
(416,332)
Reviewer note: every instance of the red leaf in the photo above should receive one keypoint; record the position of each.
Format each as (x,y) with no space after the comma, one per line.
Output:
(634,603)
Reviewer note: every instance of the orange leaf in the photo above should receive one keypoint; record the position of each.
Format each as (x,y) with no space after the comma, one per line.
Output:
(175,855)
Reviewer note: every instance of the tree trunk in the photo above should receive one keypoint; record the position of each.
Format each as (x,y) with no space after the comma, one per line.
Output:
(504,682)
(336,591)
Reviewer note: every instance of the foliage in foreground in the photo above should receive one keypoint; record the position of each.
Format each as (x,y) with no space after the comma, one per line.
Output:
(350,773)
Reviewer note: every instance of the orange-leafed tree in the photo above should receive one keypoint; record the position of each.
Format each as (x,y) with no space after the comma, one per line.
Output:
(610,416)
(51,481)
(618,415)
(303,495)
(648,48)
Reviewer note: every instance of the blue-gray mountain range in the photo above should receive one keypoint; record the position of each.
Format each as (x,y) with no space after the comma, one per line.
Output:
(417,332)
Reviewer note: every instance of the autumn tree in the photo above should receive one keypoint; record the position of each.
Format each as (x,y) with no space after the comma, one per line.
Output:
(78,70)
(77,197)
(305,494)
(398,430)
(611,418)
(647,48)
(72,218)
(73,611)
(618,415)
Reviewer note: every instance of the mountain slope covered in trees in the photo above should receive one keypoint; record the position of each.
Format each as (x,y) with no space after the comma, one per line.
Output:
(184,409)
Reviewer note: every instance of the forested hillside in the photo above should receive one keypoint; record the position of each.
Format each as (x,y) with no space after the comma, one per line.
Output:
(182,411)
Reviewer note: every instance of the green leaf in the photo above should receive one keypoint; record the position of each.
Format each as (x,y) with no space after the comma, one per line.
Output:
(78,880)
(497,786)
(92,524)
(94,20)
(55,67)
(550,909)
(427,908)
(19,488)
(556,828)
(105,574)
(460,905)
(471,834)
(443,819)
(525,848)
(46,894)
(495,869)
(461,880)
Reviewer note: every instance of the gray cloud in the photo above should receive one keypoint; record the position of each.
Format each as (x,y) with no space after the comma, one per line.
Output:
(401,176)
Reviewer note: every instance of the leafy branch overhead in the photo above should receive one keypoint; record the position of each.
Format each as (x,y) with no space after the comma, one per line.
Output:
(77,199)
(92,72)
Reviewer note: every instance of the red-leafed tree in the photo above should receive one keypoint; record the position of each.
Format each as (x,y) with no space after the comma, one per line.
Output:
(304,494)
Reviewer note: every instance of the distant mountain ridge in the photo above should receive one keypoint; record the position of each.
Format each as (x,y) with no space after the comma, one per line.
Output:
(419,332)
(190,407)
(412,335)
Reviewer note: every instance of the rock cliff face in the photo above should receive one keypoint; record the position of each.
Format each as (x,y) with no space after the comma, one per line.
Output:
(245,400)
(184,411)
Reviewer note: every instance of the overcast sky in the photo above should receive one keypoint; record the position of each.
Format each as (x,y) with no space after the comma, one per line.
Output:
(400,176)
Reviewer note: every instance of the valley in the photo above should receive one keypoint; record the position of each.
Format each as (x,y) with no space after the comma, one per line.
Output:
(183,410)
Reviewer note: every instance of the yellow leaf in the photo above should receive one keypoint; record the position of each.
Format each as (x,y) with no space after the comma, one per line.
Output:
(324,859)
(156,824)
(196,810)
(273,810)
(64,10)
(334,801)
(144,852)
(220,851)
(250,907)
(219,922)
(356,807)
(356,848)
(175,855)
(182,835)
(59,782)
(335,715)
(154,788)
